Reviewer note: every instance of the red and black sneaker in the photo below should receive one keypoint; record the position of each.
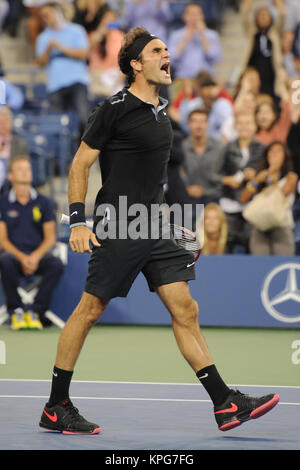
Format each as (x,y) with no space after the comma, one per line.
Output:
(65,418)
(239,408)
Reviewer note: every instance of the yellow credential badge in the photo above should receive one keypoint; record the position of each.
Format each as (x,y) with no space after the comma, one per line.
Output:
(37,215)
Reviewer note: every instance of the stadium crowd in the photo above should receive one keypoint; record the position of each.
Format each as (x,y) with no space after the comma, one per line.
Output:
(230,144)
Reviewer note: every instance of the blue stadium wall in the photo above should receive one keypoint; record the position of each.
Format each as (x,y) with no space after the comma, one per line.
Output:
(232,291)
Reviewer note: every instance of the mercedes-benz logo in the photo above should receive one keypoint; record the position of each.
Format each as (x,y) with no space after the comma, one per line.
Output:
(290,292)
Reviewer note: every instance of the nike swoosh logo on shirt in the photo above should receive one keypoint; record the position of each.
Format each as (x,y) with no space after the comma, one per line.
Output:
(52,418)
(189,265)
(228,410)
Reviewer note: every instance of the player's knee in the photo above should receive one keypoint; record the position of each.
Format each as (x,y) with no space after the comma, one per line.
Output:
(93,315)
(187,313)
(90,309)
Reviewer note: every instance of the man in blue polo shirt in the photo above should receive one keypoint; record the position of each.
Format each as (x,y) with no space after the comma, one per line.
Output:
(63,48)
(27,233)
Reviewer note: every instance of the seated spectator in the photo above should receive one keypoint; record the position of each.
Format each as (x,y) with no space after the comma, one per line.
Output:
(209,96)
(269,126)
(63,48)
(201,153)
(106,78)
(235,167)
(89,13)
(11,145)
(214,231)
(194,48)
(275,168)
(154,15)
(27,234)
(264,45)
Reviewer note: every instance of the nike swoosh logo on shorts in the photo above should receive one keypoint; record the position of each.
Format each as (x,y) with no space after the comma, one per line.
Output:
(228,410)
(189,265)
(52,418)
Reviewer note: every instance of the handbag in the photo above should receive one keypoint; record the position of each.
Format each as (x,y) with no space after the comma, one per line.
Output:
(268,209)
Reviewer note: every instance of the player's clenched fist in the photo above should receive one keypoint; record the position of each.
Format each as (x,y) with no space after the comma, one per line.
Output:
(80,239)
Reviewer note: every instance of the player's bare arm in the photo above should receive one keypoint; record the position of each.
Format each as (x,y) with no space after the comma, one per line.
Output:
(77,188)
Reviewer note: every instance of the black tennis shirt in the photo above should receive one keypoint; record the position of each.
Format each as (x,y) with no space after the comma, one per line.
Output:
(134,139)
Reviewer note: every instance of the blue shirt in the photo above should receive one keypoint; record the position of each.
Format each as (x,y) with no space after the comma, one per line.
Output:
(25,223)
(220,110)
(63,71)
(194,58)
(14,97)
(152,15)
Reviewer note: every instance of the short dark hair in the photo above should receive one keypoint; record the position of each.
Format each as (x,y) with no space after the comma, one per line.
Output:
(123,58)
(198,111)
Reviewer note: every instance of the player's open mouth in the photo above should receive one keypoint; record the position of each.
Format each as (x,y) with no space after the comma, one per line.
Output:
(166,68)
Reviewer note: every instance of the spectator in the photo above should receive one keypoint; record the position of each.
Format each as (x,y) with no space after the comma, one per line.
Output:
(63,48)
(236,165)
(11,145)
(293,140)
(27,234)
(269,126)
(200,158)
(89,13)
(275,168)
(207,96)
(214,231)
(34,22)
(249,80)
(264,47)
(4,7)
(154,15)
(291,61)
(195,47)
(106,78)
(245,101)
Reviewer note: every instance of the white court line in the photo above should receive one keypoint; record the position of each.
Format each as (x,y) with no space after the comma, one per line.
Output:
(128,399)
(147,383)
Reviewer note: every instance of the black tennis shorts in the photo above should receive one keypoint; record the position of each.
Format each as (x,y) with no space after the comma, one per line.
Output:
(114,265)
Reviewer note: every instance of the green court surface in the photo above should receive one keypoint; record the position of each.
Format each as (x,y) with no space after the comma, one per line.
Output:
(150,354)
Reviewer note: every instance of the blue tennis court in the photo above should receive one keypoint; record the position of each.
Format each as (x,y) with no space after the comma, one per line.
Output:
(143,416)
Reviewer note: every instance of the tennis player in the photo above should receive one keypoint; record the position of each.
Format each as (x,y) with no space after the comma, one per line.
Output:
(131,135)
